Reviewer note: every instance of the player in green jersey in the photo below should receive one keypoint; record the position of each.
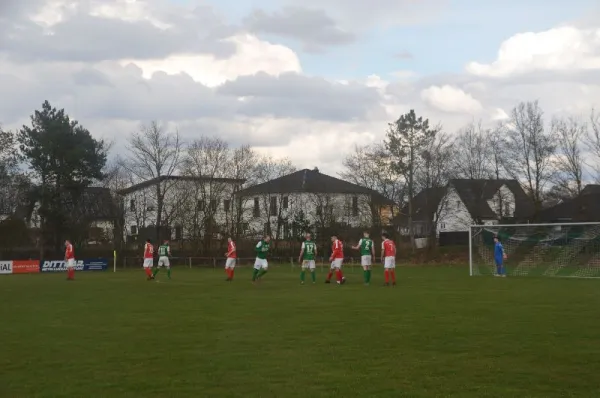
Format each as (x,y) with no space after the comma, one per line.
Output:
(307,257)
(164,253)
(261,265)
(367,253)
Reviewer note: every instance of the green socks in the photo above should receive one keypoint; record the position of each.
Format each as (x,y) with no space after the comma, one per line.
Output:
(313,275)
(302,275)
(254,274)
(155,271)
(369,276)
(366,276)
(169,272)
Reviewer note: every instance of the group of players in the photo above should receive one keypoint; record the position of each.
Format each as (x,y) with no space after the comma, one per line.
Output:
(307,258)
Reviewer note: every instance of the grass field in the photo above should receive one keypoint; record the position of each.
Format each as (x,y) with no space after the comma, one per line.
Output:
(439,333)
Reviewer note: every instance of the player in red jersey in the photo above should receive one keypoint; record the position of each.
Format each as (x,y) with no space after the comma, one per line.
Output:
(231,259)
(337,258)
(70,260)
(388,258)
(148,259)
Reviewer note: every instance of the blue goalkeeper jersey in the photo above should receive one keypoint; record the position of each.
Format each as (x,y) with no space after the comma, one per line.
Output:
(498,252)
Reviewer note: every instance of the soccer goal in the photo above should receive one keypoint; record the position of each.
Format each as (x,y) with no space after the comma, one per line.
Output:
(559,250)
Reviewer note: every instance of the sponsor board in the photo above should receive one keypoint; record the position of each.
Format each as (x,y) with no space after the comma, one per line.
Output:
(59,266)
(6,267)
(26,266)
(98,264)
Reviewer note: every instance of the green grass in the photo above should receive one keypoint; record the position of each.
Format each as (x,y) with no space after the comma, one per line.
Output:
(439,333)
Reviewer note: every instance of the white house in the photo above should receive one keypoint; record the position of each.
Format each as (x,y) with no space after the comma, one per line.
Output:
(192,206)
(290,204)
(464,202)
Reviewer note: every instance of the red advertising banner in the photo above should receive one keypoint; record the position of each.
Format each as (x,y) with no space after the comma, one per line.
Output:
(26,266)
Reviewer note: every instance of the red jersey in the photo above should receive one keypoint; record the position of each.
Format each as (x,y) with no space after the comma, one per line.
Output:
(232,253)
(389,248)
(69,253)
(148,251)
(337,249)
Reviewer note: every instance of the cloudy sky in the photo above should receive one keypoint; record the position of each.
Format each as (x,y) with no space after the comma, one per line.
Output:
(306,79)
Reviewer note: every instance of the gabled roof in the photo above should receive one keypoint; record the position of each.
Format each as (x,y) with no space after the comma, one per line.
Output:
(157,180)
(476,193)
(591,189)
(584,208)
(311,181)
(425,204)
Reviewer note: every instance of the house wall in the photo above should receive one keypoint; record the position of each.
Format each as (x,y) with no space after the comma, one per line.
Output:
(349,209)
(190,208)
(453,214)
(503,202)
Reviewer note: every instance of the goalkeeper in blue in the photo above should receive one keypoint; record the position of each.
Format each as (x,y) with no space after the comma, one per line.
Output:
(499,257)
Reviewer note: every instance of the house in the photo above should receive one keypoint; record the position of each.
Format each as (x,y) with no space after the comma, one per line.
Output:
(192,207)
(583,208)
(463,202)
(304,199)
(94,213)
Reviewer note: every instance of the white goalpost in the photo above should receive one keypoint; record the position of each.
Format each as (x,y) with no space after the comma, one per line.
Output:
(553,250)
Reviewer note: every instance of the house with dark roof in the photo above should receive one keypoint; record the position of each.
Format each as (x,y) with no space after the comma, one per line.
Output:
(465,202)
(192,206)
(583,208)
(275,206)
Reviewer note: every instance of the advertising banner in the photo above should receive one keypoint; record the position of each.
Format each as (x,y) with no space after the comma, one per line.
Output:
(59,266)
(6,267)
(26,266)
(97,264)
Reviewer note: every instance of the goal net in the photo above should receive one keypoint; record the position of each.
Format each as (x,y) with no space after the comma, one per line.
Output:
(560,250)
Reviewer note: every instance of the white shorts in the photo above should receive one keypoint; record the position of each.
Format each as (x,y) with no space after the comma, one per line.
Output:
(230,263)
(337,263)
(261,263)
(71,263)
(164,262)
(148,262)
(389,262)
(310,264)
(365,261)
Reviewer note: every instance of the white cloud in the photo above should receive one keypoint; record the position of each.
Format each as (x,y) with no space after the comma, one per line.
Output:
(252,56)
(565,48)
(450,99)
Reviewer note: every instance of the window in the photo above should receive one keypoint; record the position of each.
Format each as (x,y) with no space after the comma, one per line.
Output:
(256,211)
(132,205)
(178,232)
(200,204)
(458,204)
(285,202)
(226,204)
(134,230)
(319,210)
(150,208)
(442,226)
(286,230)
(273,206)
(355,206)
(213,205)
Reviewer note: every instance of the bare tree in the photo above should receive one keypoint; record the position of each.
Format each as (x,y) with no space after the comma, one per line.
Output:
(268,169)
(531,149)
(499,155)
(569,161)
(370,166)
(241,166)
(406,139)
(474,160)
(592,139)
(155,153)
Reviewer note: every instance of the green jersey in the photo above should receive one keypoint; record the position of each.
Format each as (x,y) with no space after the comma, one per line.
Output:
(261,249)
(309,249)
(164,251)
(366,247)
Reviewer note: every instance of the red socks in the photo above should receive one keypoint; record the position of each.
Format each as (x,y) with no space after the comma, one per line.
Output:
(329,275)
(338,274)
(148,272)
(387,275)
(229,273)
(71,273)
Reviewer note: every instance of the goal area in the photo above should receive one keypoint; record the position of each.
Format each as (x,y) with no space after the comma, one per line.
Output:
(555,250)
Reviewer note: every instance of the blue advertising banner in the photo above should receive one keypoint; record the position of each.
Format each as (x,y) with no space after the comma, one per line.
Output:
(97,264)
